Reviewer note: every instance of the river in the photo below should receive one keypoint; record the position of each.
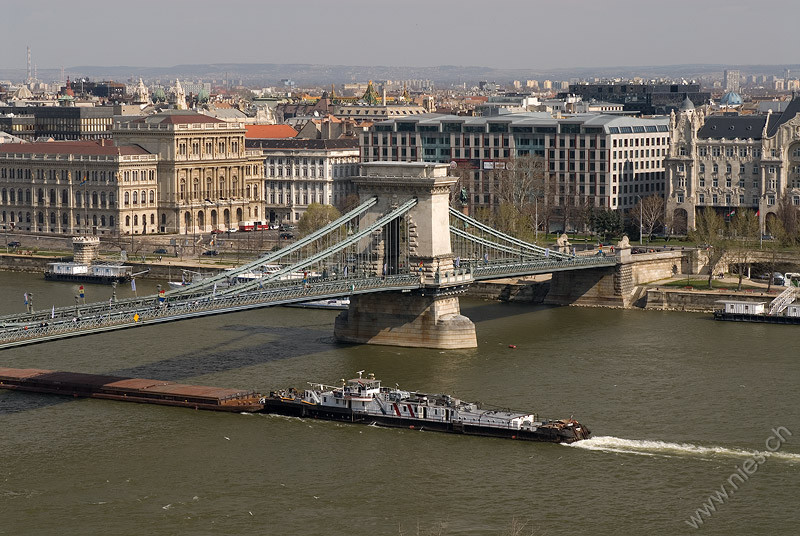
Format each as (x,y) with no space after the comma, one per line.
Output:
(677,403)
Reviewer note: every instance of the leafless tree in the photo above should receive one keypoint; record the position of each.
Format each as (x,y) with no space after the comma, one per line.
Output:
(788,215)
(744,227)
(648,213)
(709,234)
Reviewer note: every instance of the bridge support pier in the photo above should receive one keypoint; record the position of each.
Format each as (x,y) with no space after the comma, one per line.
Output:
(406,319)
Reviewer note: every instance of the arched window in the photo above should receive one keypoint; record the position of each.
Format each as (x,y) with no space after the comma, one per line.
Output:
(64,219)
(94,220)
(127,221)
(182,190)
(255,192)
(39,195)
(248,191)
(111,199)
(5,196)
(111,221)
(52,218)
(40,218)
(221,187)
(209,188)
(256,212)
(163,219)
(77,199)
(64,196)
(13,196)
(135,220)
(102,199)
(135,197)
(152,197)
(103,220)
(94,199)
(152,219)
(196,189)
(12,216)
(127,198)
(144,197)
(52,196)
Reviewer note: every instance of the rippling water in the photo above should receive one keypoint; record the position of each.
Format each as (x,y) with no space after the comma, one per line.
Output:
(676,402)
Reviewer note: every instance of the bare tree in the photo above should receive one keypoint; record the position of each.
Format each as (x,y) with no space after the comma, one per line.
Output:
(709,234)
(744,227)
(648,213)
(788,215)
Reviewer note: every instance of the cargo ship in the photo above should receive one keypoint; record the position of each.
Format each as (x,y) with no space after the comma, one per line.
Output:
(364,400)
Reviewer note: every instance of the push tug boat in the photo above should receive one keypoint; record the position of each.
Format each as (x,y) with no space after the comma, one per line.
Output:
(363,400)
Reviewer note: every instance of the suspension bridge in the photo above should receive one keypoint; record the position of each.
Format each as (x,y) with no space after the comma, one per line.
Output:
(402,256)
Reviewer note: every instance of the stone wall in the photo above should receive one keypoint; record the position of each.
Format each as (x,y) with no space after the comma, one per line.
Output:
(699,301)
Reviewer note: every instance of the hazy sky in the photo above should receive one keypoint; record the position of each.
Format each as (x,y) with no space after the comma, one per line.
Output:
(505,34)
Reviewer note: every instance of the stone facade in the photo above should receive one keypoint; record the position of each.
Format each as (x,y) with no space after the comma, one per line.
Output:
(207,180)
(729,163)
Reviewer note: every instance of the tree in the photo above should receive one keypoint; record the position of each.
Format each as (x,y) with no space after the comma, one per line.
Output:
(606,222)
(348,203)
(709,234)
(788,214)
(648,213)
(316,217)
(744,226)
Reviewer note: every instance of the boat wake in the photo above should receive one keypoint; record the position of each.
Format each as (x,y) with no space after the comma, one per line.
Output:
(646,447)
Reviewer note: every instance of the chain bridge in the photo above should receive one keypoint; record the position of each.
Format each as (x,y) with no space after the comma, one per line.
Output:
(402,256)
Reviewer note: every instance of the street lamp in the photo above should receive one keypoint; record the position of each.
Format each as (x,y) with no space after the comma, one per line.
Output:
(641,218)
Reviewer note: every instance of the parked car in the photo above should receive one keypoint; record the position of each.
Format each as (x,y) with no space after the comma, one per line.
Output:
(160,251)
(274,226)
(211,252)
(217,231)
(287,234)
(778,279)
(14,244)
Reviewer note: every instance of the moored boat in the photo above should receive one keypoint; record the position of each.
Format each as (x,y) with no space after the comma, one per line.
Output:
(364,400)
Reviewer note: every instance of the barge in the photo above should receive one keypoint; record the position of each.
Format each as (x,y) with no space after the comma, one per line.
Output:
(126,389)
(364,400)
(782,310)
(87,273)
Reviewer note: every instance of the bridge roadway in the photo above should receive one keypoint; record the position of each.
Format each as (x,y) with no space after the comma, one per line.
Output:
(72,321)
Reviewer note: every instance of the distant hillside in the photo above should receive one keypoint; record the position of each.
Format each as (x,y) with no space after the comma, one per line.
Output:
(268,74)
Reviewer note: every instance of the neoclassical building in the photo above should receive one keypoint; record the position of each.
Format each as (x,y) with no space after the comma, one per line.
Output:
(173,172)
(207,179)
(727,162)
(78,187)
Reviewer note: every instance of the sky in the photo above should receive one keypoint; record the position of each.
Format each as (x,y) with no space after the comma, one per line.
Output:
(510,34)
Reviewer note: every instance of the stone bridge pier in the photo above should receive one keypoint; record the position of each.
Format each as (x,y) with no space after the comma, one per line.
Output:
(430,317)
(618,285)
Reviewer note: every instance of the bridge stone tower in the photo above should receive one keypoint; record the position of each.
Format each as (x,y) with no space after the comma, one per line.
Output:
(430,317)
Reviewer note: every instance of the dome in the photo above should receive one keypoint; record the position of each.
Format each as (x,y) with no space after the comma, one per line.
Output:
(731,99)
(687,105)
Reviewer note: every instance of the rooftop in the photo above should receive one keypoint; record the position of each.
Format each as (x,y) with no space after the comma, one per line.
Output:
(85,148)
(269,131)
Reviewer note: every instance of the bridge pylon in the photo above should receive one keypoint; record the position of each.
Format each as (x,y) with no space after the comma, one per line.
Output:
(430,317)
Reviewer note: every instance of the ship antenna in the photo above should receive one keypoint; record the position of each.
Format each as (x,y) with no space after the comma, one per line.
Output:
(360,372)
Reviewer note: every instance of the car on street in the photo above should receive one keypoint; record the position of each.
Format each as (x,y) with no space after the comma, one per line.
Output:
(211,253)
(160,251)
(287,234)
(217,231)
(14,244)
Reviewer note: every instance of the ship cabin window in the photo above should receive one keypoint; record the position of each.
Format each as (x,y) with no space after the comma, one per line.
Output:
(324,398)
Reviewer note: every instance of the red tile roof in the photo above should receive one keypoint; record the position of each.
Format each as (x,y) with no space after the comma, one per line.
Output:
(93,148)
(269,131)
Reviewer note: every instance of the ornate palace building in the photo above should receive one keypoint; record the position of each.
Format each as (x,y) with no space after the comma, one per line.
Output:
(731,162)
(174,172)
(207,180)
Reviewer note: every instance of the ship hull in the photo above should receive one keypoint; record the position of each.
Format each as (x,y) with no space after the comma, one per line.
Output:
(294,408)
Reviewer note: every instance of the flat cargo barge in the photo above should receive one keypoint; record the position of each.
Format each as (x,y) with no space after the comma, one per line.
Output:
(126,389)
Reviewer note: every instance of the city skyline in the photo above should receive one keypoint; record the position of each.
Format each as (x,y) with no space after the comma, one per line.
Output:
(573,34)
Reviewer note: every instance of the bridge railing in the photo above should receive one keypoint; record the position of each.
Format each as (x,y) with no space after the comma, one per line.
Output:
(150,312)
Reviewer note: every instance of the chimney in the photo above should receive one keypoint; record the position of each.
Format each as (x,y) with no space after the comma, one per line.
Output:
(384,95)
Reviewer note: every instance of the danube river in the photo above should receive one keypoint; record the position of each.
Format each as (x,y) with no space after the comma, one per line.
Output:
(678,404)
